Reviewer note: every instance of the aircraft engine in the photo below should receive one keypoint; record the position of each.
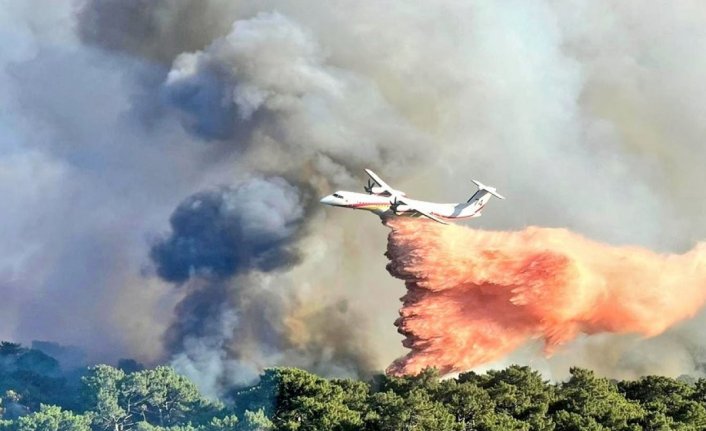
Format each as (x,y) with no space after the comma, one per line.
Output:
(400,208)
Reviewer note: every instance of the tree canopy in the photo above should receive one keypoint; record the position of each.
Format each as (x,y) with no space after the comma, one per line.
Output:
(108,398)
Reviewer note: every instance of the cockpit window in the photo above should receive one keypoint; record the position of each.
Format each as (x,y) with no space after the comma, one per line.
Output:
(336,195)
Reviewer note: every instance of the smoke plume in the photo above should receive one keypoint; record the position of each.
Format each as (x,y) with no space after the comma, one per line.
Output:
(228,249)
(474,296)
(222,233)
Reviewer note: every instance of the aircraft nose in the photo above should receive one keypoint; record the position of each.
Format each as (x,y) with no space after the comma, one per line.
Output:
(328,200)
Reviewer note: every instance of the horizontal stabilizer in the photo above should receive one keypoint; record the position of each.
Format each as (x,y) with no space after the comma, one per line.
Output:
(488,189)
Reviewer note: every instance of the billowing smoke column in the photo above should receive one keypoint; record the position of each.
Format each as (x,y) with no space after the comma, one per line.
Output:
(474,296)
(217,235)
(221,233)
(226,249)
(265,91)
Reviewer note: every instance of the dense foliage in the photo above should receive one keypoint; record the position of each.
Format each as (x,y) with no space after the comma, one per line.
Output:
(36,396)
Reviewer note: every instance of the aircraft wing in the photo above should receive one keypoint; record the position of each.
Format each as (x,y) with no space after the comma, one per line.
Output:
(424,213)
(382,183)
(397,194)
(429,215)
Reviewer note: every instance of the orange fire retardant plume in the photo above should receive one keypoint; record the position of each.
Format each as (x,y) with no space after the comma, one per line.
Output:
(473,296)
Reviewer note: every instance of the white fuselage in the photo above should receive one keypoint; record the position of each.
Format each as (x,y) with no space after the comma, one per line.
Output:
(382,205)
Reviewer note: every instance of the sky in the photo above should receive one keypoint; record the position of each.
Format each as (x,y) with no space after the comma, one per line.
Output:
(161,165)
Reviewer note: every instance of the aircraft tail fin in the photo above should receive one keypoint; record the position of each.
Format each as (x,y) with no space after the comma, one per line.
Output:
(483,189)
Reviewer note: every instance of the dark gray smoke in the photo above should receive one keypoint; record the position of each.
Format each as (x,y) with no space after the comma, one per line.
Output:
(155,29)
(230,324)
(217,234)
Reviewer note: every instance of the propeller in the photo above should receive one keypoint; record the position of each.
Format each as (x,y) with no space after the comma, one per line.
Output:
(369,187)
(394,204)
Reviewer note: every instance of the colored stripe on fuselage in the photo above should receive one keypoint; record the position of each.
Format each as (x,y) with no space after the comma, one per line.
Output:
(372,206)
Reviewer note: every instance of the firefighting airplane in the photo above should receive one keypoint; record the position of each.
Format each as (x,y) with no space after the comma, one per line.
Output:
(385,201)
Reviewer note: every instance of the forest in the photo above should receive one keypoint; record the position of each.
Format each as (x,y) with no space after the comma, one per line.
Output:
(36,394)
